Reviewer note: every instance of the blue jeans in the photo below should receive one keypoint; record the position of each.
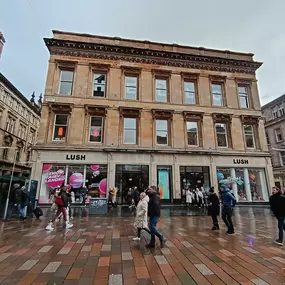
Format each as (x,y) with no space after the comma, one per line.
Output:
(22,211)
(281,227)
(153,230)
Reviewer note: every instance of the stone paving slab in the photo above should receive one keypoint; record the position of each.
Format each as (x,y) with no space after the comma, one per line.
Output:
(100,250)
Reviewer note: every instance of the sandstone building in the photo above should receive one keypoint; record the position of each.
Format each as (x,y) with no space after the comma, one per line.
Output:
(274,116)
(120,112)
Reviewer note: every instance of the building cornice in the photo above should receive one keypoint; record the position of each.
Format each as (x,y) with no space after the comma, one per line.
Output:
(147,56)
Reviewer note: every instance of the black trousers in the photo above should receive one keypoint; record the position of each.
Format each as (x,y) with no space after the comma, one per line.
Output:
(215,220)
(140,231)
(227,217)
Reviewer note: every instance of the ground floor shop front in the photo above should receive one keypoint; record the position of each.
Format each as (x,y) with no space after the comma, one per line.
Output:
(249,178)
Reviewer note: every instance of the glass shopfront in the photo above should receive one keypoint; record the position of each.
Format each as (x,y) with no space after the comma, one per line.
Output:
(76,177)
(247,184)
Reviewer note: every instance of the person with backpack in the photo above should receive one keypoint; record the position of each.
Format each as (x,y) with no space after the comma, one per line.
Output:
(277,206)
(214,208)
(61,201)
(228,201)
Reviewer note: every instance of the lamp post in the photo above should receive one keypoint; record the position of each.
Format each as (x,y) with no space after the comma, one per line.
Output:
(11,180)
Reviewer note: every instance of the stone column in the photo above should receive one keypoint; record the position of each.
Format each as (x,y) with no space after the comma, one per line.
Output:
(247,185)
(234,184)
(263,184)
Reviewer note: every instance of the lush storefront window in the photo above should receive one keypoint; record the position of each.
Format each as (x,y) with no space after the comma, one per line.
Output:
(247,184)
(77,177)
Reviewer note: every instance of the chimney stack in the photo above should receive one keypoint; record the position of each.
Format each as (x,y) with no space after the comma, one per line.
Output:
(2,42)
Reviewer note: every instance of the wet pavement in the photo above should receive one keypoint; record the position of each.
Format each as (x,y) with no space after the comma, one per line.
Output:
(100,250)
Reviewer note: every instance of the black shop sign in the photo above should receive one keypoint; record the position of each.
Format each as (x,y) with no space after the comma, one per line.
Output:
(240,161)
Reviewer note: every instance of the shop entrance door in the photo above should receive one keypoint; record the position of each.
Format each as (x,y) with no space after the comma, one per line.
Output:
(164,182)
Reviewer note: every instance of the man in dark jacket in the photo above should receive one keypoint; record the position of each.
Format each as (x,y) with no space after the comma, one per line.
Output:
(277,206)
(154,215)
(22,206)
(214,208)
(228,201)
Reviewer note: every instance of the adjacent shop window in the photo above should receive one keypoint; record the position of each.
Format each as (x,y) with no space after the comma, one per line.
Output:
(99,85)
(131,90)
(66,82)
(278,135)
(60,127)
(22,131)
(10,124)
(217,94)
(162,132)
(249,136)
(192,133)
(161,93)
(221,133)
(96,129)
(130,131)
(282,157)
(243,96)
(189,92)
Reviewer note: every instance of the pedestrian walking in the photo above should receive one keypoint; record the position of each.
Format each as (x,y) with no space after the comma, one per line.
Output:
(228,201)
(24,202)
(188,197)
(277,206)
(154,215)
(62,202)
(141,216)
(199,197)
(214,208)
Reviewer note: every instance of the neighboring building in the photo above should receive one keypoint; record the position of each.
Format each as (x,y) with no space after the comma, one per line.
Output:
(2,42)
(274,115)
(136,113)
(19,123)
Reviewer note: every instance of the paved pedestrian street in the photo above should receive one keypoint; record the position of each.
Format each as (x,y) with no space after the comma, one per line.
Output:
(100,250)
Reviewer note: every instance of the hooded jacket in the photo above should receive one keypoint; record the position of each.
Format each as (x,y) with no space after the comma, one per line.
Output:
(228,199)
(277,205)
(141,216)
(154,204)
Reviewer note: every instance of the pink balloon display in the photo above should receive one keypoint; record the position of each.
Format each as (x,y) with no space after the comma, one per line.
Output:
(76,180)
(47,167)
(94,167)
(103,186)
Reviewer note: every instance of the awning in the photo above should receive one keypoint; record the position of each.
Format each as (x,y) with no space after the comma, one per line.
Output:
(7,178)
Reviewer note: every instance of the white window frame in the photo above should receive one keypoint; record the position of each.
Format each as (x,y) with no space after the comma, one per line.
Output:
(280,156)
(267,138)
(131,130)
(10,124)
(249,134)
(197,133)
(167,129)
(276,135)
(166,89)
(221,94)
(60,125)
(190,92)
(105,84)
(274,113)
(281,110)
(130,86)
(62,70)
(102,128)
(226,134)
(243,95)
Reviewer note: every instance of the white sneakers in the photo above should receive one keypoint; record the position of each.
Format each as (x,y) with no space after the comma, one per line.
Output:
(136,239)
(50,227)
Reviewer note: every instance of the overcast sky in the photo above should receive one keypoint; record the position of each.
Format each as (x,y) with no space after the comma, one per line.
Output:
(256,26)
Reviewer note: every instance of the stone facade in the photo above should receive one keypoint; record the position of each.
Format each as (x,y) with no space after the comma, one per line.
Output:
(274,116)
(115,58)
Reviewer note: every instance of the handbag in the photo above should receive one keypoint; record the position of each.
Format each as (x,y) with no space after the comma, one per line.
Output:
(54,207)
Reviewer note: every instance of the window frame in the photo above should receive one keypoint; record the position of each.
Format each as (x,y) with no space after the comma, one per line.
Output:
(222,84)
(166,78)
(102,129)
(198,133)
(125,86)
(267,138)
(99,72)
(194,81)
(276,135)
(280,157)
(253,135)
(8,127)
(281,110)
(168,131)
(239,85)
(67,127)
(226,134)
(136,130)
(61,70)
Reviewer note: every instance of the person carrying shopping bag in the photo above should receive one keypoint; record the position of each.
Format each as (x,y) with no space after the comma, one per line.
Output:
(141,216)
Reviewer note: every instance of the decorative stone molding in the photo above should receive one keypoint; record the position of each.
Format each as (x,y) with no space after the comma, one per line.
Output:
(162,114)
(63,108)
(99,67)
(191,76)
(20,144)
(217,78)
(131,69)
(94,110)
(222,118)
(243,81)
(145,56)
(193,116)
(8,140)
(130,112)
(250,120)
(66,64)
(161,72)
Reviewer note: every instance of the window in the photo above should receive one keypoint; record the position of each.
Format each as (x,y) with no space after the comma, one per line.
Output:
(267,138)
(217,94)
(278,135)
(192,133)
(2,95)
(243,96)
(160,90)
(282,157)
(22,131)
(32,136)
(96,129)
(131,87)
(274,113)
(221,133)
(5,153)
(10,125)
(281,110)
(60,128)
(249,136)
(162,132)
(130,131)
(66,80)
(28,156)
(18,154)
(189,92)
(99,85)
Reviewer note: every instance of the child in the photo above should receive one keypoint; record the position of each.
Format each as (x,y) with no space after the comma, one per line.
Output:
(214,208)
(141,216)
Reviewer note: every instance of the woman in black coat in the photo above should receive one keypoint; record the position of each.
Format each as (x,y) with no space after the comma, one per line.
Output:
(214,208)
